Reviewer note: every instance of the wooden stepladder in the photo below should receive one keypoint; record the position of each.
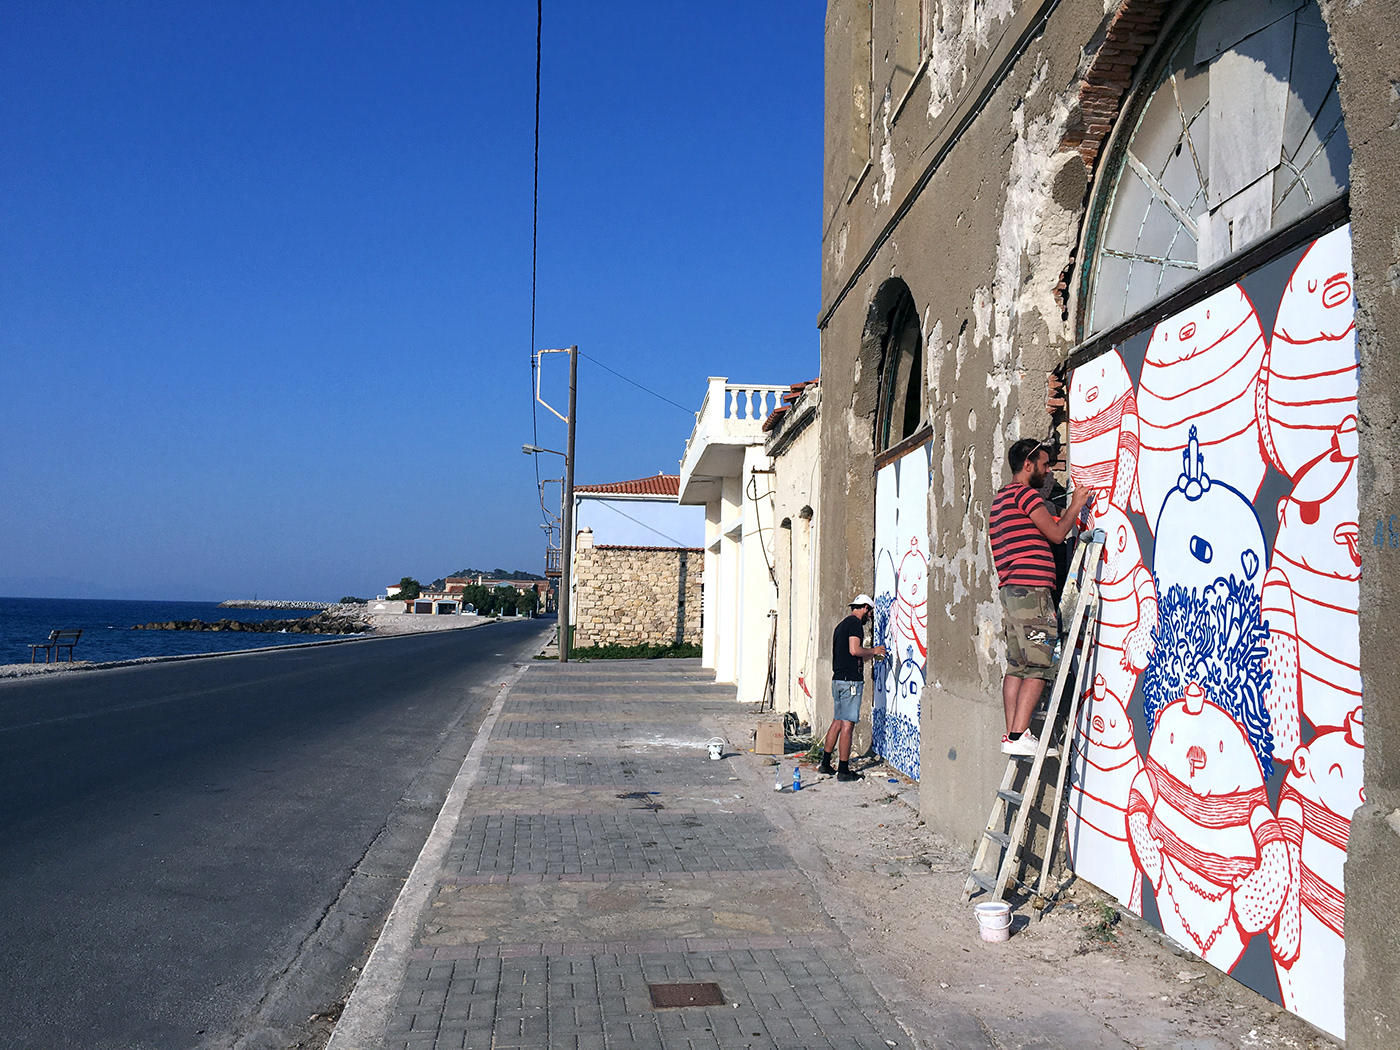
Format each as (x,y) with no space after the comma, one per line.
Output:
(1079,608)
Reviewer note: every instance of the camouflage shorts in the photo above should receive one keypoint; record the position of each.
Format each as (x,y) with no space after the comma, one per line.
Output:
(1032,627)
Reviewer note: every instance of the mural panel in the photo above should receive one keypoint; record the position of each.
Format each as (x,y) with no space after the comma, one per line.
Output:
(1218,758)
(901,607)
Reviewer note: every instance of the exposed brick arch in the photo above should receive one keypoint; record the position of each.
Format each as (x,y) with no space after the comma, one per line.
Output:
(1131,31)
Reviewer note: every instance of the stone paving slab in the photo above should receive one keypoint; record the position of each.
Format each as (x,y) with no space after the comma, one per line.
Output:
(657,743)
(629,689)
(626,772)
(786,999)
(633,947)
(634,841)
(478,911)
(647,710)
(596,729)
(556,798)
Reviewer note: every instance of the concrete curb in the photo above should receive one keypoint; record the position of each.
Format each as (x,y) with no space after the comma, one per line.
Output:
(363,1023)
(143,660)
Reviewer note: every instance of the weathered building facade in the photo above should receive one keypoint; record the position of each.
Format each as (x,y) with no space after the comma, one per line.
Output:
(792,443)
(1187,211)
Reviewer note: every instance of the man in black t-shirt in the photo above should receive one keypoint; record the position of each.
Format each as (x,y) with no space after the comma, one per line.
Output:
(847,684)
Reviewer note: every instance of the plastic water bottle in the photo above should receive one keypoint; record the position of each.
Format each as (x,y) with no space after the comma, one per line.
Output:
(797,778)
(778,777)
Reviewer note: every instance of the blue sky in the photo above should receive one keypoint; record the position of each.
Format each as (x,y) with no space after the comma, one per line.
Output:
(264,307)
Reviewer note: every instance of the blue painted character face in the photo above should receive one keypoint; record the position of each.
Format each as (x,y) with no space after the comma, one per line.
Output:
(1207,531)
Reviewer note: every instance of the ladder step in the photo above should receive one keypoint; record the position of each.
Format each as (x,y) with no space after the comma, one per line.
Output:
(1014,797)
(999,837)
(983,881)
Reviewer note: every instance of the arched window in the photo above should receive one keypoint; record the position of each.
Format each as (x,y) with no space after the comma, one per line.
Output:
(1242,135)
(901,406)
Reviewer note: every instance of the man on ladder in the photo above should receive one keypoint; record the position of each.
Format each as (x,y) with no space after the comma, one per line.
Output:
(1021,530)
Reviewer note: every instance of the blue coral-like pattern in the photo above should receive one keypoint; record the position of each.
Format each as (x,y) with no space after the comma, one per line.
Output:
(1217,639)
(896,740)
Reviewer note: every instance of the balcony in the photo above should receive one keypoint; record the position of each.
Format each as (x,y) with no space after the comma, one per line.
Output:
(730,419)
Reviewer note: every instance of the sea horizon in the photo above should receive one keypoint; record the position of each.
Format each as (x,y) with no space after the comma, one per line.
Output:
(107,624)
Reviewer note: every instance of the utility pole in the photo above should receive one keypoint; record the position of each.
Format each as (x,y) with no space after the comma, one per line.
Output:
(566,552)
(567,555)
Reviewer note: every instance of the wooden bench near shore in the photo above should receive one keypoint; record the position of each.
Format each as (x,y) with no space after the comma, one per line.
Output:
(57,640)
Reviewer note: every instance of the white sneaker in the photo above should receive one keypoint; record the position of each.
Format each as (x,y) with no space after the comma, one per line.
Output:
(1025,747)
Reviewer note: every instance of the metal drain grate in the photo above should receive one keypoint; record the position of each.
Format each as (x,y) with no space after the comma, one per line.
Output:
(665,995)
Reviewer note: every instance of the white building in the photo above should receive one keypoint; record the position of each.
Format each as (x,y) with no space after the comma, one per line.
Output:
(726,470)
(793,443)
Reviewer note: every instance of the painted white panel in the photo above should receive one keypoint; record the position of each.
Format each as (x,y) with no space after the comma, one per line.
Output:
(901,607)
(1248,679)
(1230,21)
(1248,100)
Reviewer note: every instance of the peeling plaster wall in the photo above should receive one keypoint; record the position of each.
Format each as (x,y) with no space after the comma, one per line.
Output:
(1366,47)
(982,248)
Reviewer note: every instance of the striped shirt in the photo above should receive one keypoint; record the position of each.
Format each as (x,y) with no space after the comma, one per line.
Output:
(1020,550)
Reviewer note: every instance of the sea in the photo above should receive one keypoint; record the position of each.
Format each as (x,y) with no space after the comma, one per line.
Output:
(107,633)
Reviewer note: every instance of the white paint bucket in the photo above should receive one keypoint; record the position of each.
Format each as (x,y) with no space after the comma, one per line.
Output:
(994,920)
(716,746)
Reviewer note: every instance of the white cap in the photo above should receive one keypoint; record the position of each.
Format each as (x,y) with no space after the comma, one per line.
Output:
(862,599)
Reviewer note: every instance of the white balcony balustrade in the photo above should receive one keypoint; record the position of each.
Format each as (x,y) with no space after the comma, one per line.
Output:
(730,419)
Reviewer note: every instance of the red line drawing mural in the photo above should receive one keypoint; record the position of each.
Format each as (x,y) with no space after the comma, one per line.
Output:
(1315,808)
(1314,586)
(1103,766)
(1201,371)
(1308,383)
(1202,831)
(1242,649)
(1103,431)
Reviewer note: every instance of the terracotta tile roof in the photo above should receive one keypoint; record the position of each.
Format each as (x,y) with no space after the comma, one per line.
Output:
(656,485)
(789,399)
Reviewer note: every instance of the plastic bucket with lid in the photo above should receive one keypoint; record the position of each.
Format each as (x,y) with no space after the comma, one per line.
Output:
(994,920)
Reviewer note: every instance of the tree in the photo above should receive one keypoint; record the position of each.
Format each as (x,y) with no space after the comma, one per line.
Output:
(506,597)
(528,602)
(409,588)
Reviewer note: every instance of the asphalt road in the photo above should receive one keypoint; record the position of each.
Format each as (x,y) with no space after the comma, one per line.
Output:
(196,853)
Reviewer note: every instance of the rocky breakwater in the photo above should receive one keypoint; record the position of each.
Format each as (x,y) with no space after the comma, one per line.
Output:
(269,603)
(321,623)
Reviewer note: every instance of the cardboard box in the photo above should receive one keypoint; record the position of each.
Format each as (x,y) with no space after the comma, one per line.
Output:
(768,738)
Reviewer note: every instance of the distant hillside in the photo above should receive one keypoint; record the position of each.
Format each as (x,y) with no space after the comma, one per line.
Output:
(490,574)
(499,574)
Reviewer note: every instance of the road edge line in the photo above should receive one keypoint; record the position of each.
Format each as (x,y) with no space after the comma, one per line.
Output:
(365,1019)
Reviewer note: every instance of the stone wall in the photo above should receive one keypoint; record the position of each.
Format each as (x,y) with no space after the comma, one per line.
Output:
(636,595)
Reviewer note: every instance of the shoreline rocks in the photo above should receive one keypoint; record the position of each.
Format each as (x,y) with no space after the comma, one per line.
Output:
(269,603)
(321,623)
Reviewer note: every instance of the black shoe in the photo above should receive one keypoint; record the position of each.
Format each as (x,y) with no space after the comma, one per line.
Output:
(849,774)
(825,767)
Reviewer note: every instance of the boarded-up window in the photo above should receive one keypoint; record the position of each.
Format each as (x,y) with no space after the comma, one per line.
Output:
(1242,135)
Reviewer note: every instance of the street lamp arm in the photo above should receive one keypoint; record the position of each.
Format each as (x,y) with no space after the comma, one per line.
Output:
(531,450)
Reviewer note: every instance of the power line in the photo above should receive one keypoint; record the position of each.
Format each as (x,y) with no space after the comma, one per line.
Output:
(535,257)
(643,524)
(653,393)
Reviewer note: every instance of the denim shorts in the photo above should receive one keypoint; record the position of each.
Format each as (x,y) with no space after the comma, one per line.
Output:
(846,696)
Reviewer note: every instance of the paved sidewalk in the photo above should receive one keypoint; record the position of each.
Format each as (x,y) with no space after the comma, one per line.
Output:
(590,850)
(600,851)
